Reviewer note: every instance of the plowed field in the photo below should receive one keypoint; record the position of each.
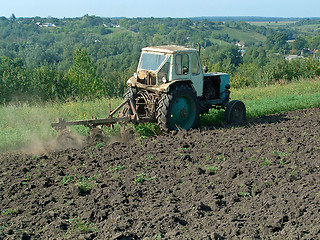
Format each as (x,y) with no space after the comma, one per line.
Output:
(260,180)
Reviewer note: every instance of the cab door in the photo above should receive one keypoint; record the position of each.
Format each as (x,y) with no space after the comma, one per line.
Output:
(196,73)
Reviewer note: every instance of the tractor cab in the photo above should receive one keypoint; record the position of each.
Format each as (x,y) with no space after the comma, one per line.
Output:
(164,65)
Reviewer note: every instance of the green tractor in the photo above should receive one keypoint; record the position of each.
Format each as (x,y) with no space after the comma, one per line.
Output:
(171,88)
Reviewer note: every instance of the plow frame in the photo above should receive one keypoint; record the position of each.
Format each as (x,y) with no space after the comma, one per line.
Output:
(94,122)
(130,101)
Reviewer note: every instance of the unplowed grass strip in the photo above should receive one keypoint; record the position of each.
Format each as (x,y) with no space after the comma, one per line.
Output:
(22,124)
(279,98)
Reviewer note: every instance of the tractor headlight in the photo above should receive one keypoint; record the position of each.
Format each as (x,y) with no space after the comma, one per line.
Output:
(135,75)
(164,80)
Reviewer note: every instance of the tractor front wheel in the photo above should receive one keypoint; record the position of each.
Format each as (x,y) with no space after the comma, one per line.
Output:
(235,112)
(178,109)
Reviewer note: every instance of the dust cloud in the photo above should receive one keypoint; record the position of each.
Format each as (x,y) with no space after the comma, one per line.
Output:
(28,129)
(31,132)
(65,139)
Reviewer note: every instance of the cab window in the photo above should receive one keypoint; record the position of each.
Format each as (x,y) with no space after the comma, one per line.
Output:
(182,64)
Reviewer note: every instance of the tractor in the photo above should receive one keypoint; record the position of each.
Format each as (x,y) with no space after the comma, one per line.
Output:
(171,88)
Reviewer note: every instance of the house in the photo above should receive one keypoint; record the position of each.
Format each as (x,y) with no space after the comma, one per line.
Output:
(240,44)
(111,25)
(47,25)
(290,57)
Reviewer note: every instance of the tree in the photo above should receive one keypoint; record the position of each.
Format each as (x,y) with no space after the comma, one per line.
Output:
(255,55)
(300,43)
(224,55)
(277,41)
(3,19)
(82,75)
(315,42)
(13,18)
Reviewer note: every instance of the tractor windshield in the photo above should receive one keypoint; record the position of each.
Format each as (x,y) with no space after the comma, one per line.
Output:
(151,61)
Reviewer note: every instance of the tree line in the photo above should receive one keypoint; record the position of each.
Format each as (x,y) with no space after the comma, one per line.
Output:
(90,56)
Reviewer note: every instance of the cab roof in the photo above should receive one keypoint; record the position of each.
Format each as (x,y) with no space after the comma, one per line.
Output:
(168,49)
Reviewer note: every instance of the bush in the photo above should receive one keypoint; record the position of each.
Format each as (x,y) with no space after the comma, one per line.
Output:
(275,72)
(287,71)
(147,129)
(240,81)
(245,76)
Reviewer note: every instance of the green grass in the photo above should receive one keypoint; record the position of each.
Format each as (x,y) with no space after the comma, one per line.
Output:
(212,169)
(245,36)
(82,227)
(21,125)
(10,211)
(309,28)
(142,177)
(272,23)
(278,98)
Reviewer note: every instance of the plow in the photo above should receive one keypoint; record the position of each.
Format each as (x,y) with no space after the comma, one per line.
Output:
(93,123)
(171,89)
(123,114)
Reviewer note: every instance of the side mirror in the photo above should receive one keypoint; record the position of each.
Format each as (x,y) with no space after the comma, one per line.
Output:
(205,69)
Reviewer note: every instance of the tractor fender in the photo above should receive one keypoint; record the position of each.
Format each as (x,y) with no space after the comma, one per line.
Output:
(132,81)
(166,86)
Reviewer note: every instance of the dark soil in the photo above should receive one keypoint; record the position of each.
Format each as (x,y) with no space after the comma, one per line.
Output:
(256,181)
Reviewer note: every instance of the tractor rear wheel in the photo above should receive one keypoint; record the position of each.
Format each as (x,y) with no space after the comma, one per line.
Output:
(235,112)
(178,109)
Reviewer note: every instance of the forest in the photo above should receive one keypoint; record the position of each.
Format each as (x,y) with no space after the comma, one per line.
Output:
(51,59)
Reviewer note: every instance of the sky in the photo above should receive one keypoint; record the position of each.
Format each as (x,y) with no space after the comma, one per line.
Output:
(160,8)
